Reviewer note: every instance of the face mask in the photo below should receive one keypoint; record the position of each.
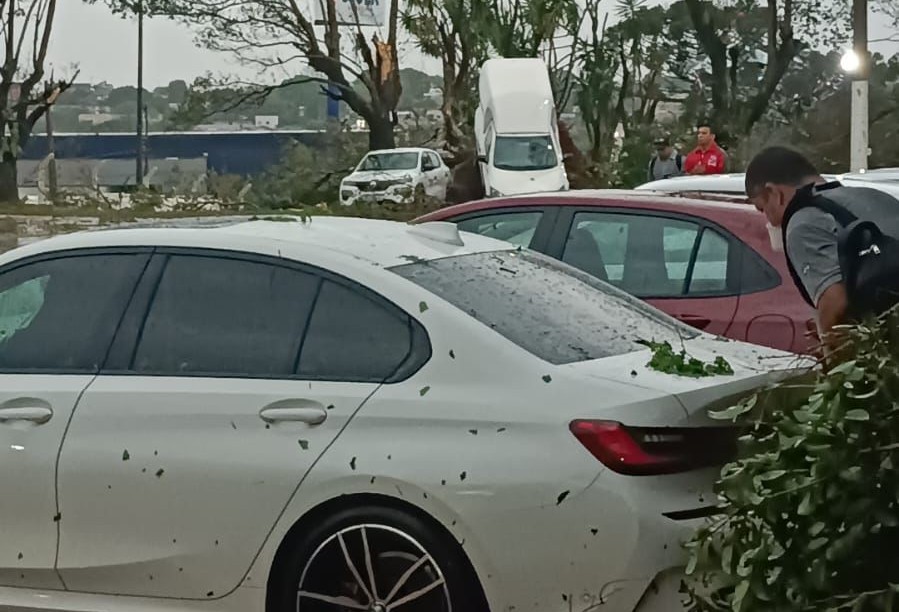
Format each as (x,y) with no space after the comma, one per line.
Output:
(776,237)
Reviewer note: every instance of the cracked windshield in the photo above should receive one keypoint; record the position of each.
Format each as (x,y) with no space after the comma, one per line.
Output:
(463,306)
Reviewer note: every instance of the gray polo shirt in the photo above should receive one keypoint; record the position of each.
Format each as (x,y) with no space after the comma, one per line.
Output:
(811,240)
(659,169)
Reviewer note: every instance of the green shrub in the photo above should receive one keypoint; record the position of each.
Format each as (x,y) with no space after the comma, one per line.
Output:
(809,513)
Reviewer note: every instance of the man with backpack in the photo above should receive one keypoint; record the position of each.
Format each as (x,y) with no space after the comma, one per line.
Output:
(841,243)
(666,162)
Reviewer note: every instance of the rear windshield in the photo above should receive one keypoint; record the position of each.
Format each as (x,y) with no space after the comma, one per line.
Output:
(548,308)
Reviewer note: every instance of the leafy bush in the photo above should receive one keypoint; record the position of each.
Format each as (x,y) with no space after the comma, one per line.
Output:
(809,514)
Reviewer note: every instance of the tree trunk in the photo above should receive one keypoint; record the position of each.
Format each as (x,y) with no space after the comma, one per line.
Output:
(9,184)
(9,234)
(380,134)
(466,184)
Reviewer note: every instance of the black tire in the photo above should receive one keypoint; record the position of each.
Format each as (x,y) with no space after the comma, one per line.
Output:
(461,592)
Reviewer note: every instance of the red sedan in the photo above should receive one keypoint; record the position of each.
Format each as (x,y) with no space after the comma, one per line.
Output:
(708,263)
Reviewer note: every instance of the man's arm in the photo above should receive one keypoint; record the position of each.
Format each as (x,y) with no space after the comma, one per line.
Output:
(832,307)
(812,248)
(690,162)
(649,176)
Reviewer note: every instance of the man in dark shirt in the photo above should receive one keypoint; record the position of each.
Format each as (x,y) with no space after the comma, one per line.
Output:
(773,178)
(666,162)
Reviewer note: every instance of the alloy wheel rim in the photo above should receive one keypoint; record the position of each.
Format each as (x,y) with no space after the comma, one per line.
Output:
(372,568)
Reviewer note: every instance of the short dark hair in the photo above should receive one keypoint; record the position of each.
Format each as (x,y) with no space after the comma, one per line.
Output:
(707,124)
(778,165)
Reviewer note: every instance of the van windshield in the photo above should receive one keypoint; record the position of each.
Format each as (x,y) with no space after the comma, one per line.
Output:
(523,153)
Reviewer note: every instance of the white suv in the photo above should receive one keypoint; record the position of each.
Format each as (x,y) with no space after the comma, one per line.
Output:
(396,175)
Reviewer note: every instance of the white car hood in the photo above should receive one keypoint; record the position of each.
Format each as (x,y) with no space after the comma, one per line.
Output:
(380,175)
(509,182)
(754,367)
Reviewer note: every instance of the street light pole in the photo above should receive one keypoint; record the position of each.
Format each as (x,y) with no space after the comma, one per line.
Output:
(858,156)
(140,94)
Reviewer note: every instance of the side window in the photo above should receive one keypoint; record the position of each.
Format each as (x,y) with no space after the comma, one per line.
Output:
(710,270)
(756,273)
(61,314)
(645,255)
(515,227)
(434,161)
(219,316)
(354,336)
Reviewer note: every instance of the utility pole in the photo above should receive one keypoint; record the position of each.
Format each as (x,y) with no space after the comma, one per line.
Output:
(52,178)
(139,174)
(51,158)
(858,157)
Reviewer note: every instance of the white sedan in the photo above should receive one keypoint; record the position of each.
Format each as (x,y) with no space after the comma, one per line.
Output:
(343,415)
(396,175)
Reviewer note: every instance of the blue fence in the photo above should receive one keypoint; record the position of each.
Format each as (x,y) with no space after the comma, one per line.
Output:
(244,153)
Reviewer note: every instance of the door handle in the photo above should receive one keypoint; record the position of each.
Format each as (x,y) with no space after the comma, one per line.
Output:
(310,416)
(35,414)
(695,320)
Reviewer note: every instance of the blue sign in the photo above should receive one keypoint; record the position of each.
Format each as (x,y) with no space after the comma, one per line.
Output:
(333,102)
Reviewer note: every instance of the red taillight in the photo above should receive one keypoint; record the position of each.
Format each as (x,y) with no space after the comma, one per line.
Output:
(645,451)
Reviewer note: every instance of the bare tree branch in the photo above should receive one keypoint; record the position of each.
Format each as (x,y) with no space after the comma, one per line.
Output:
(273,34)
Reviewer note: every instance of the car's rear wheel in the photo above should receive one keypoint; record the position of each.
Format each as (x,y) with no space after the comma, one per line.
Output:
(376,560)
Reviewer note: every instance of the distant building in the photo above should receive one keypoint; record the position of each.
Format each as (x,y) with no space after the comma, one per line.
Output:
(243,152)
(97,118)
(266,122)
(224,126)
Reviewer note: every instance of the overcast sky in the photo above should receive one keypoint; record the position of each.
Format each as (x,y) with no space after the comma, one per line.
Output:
(104,48)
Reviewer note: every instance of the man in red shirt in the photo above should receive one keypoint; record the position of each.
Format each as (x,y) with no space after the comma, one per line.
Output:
(707,158)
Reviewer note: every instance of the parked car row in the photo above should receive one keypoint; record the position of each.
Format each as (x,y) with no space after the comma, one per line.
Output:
(707,263)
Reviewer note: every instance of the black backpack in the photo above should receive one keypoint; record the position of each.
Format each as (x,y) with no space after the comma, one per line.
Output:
(869,259)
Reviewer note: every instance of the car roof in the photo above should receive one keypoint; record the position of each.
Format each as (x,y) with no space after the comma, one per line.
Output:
(883,179)
(731,183)
(402,150)
(602,197)
(382,243)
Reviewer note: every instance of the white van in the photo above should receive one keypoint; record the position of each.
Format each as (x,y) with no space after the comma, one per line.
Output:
(516,129)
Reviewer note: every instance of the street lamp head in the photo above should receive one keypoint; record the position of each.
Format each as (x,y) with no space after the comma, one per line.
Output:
(850,62)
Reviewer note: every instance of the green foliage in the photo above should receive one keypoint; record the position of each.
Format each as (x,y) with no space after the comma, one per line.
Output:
(666,359)
(307,176)
(810,511)
(521,28)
